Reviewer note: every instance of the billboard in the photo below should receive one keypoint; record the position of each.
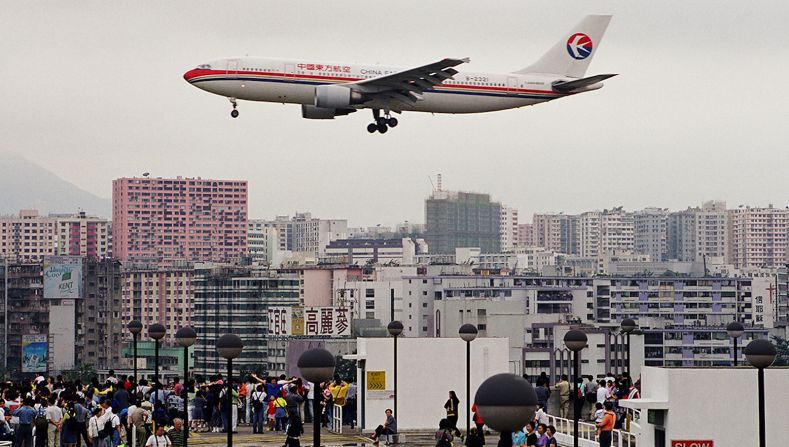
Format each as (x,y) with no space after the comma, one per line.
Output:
(309,321)
(34,353)
(62,277)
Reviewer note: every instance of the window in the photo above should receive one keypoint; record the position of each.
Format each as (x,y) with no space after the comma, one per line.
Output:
(482,327)
(424,304)
(369,293)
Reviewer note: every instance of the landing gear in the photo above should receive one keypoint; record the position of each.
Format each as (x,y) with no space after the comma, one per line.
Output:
(234,112)
(381,124)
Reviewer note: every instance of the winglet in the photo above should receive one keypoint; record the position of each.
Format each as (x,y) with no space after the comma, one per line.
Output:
(466,60)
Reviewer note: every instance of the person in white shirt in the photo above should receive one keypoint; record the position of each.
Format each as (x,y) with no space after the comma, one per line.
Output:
(541,417)
(602,392)
(159,439)
(54,415)
(96,423)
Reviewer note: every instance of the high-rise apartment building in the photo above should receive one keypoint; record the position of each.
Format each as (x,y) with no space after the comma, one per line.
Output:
(158,295)
(236,301)
(758,237)
(559,233)
(712,239)
(681,236)
(82,235)
(650,233)
(508,228)
(27,237)
(312,235)
(263,241)
(68,332)
(170,219)
(525,235)
(284,227)
(462,219)
(606,231)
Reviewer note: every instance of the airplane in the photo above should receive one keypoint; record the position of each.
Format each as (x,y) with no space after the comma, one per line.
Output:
(326,90)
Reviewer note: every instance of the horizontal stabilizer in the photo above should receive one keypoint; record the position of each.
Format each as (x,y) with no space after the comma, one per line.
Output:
(577,84)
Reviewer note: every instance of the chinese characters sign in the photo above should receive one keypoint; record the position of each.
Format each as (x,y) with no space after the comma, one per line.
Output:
(325,67)
(309,321)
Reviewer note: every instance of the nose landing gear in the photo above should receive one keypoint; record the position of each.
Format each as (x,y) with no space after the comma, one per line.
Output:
(381,124)
(234,112)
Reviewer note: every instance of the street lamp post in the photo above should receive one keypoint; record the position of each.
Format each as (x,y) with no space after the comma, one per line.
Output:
(229,346)
(761,354)
(468,332)
(628,326)
(575,340)
(316,366)
(395,328)
(186,337)
(506,402)
(735,330)
(156,331)
(135,327)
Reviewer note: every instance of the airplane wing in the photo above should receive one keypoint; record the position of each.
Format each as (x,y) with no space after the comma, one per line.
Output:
(407,86)
(575,84)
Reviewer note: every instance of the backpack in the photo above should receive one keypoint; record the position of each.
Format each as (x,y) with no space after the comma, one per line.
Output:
(442,439)
(257,405)
(40,421)
(106,431)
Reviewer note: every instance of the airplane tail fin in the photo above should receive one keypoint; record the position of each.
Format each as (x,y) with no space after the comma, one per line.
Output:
(572,53)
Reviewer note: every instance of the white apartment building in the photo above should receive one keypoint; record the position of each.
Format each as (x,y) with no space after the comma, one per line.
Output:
(399,251)
(27,236)
(605,231)
(650,233)
(758,237)
(82,235)
(263,241)
(312,235)
(712,238)
(508,228)
(557,232)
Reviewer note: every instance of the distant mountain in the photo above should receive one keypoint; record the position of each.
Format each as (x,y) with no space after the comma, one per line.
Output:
(26,185)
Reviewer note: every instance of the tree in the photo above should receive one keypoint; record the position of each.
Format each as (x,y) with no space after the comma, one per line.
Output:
(82,372)
(782,350)
(345,368)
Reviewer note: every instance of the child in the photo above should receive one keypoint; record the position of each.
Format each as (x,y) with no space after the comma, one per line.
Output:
(598,414)
(271,412)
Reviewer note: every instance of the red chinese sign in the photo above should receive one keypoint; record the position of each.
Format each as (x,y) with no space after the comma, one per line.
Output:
(325,67)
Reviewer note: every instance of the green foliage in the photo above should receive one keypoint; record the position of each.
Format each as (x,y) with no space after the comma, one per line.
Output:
(345,368)
(782,348)
(83,372)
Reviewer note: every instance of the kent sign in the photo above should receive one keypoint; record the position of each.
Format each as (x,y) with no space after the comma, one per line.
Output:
(691,443)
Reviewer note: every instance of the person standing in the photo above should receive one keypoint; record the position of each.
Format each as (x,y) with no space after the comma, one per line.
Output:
(563,387)
(257,400)
(54,416)
(478,422)
(531,434)
(176,433)
(543,393)
(159,439)
(550,433)
(606,426)
(24,431)
(451,407)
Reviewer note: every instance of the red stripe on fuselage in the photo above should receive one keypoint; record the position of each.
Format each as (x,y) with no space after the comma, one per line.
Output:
(196,73)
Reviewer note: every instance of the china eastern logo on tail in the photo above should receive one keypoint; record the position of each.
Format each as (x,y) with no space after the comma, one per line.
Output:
(579,45)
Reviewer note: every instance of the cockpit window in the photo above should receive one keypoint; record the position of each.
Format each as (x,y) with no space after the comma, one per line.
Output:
(204,67)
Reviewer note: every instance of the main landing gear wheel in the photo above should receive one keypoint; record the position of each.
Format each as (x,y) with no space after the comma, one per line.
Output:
(234,112)
(380,123)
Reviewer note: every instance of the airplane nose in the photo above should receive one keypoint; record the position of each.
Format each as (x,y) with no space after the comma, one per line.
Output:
(191,74)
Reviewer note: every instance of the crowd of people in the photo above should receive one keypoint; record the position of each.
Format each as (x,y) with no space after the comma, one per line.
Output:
(55,412)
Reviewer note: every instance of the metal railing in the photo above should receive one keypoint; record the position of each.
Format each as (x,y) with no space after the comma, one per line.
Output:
(587,434)
(336,419)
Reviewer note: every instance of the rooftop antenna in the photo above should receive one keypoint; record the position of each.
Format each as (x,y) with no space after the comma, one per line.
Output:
(146,174)
(431,182)
(438,181)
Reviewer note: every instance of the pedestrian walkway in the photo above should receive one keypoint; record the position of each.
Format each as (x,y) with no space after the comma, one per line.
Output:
(246,438)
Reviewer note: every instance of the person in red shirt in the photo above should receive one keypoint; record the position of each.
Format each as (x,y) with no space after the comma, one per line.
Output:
(606,425)
(478,422)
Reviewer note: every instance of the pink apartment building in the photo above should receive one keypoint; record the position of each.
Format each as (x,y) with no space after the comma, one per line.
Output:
(165,220)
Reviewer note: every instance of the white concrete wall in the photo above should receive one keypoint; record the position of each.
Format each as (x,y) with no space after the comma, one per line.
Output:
(718,404)
(428,368)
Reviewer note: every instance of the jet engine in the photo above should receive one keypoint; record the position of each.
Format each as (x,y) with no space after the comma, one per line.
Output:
(336,96)
(322,113)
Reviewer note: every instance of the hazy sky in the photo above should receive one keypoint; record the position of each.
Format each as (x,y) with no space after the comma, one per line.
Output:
(93,90)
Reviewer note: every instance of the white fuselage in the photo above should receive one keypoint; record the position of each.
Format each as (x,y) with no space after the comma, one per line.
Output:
(294,81)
